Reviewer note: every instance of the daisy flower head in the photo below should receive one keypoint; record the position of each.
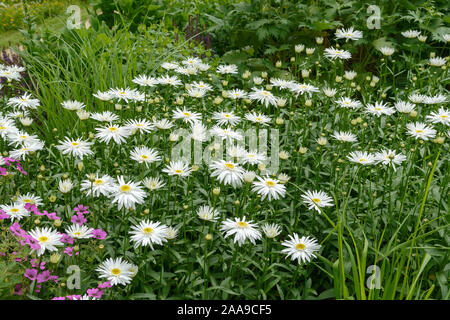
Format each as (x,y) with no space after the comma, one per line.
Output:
(202,86)
(145,81)
(24,102)
(207,213)
(228,173)
(404,106)
(196,92)
(15,211)
(348,103)
(344,136)
(332,54)
(178,168)
(237,94)
(18,138)
(126,94)
(47,238)
(300,249)
(117,271)
(441,116)
(271,230)
(65,185)
(316,200)
(73,105)
(411,34)
(106,116)
(30,198)
(98,185)
(241,229)
(361,157)
(26,149)
(153,183)
(379,108)
(281,83)
(253,157)
(301,88)
(77,231)
(387,51)
(75,147)
(186,115)
(140,125)
(416,98)
(163,124)
(171,233)
(349,34)
(191,61)
(169,65)
(227,69)
(168,80)
(437,62)
(147,233)
(113,132)
(104,96)
(226,133)
(270,188)
(228,118)
(199,132)
(389,157)
(127,194)
(258,118)
(437,99)
(420,130)
(145,155)
(263,96)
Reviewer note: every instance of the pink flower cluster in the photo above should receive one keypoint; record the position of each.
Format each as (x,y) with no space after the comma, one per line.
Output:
(40,277)
(3,215)
(33,208)
(79,217)
(95,293)
(8,162)
(24,238)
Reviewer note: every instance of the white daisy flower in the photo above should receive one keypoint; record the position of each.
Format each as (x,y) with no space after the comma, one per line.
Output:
(177,168)
(300,249)
(420,130)
(153,184)
(441,116)
(317,199)
(207,213)
(47,238)
(145,155)
(127,194)
(263,96)
(116,271)
(186,115)
(389,157)
(228,118)
(79,232)
(361,157)
(15,211)
(349,34)
(113,132)
(98,185)
(73,105)
(241,229)
(270,188)
(76,147)
(271,230)
(228,173)
(106,116)
(344,136)
(227,69)
(332,53)
(147,233)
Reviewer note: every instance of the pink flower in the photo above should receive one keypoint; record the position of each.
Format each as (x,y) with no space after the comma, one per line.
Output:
(18,290)
(104,285)
(67,239)
(80,209)
(31,274)
(3,215)
(78,219)
(98,234)
(59,298)
(95,293)
(69,251)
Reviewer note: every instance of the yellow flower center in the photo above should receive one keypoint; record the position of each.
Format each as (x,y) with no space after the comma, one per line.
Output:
(144,156)
(75,144)
(113,129)
(98,181)
(227,115)
(43,239)
(187,114)
(3,128)
(23,137)
(77,233)
(242,224)
(125,188)
(419,131)
(258,119)
(178,171)
(147,230)
(270,183)
(300,246)
(115,271)
(27,200)
(14,210)
(229,165)
(316,200)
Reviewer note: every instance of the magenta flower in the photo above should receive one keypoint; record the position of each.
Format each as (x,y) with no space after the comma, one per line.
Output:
(31,274)
(78,219)
(18,290)
(95,293)
(98,234)
(67,239)
(104,285)
(80,209)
